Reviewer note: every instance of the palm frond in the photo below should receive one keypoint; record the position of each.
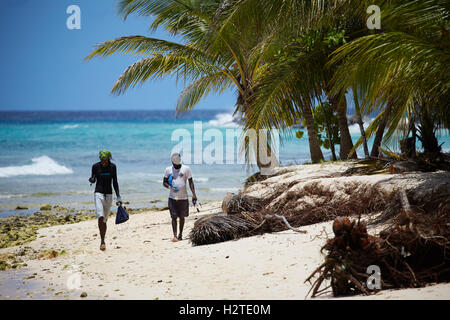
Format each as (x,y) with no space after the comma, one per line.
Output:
(200,88)
(141,46)
(160,66)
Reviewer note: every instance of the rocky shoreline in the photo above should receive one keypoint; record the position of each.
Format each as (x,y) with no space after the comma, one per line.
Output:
(19,230)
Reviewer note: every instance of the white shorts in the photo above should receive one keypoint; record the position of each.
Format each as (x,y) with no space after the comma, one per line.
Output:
(103,203)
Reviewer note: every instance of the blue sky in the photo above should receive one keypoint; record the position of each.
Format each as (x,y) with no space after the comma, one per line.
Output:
(42,60)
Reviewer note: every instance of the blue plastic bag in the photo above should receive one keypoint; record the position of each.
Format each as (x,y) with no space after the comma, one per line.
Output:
(121,216)
(170,179)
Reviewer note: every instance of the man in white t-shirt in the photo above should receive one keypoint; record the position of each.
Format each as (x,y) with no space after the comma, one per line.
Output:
(175,178)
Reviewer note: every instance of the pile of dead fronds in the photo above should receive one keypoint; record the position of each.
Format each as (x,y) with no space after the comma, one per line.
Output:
(219,228)
(410,252)
(325,204)
(252,216)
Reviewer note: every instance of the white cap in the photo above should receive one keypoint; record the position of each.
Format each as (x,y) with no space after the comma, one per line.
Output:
(176,158)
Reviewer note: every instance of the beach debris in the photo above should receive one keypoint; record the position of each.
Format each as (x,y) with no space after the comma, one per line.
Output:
(83,295)
(218,228)
(409,252)
(247,215)
(21,208)
(4,265)
(236,203)
(282,218)
(46,207)
(48,254)
(300,196)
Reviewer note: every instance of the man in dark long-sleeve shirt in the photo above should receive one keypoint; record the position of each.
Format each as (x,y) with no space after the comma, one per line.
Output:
(104,173)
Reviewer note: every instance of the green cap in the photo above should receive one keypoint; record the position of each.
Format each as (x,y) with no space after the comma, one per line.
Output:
(105,154)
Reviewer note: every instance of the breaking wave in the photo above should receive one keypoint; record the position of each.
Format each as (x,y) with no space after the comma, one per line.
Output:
(224,120)
(44,166)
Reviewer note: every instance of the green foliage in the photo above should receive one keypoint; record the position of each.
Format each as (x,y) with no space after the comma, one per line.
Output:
(405,65)
(335,38)
(299,134)
(326,125)
(281,56)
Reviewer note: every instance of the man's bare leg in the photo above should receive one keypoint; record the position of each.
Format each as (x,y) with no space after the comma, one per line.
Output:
(102,229)
(180,235)
(174,228)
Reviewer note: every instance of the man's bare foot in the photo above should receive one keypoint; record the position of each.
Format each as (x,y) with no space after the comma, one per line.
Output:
(103,247)
(175,239)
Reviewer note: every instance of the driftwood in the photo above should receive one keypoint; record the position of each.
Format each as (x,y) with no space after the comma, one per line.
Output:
(275,216)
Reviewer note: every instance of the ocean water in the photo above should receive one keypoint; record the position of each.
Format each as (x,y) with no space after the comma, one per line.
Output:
(46,157)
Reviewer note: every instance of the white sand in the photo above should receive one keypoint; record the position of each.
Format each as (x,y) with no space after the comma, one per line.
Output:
(142,263)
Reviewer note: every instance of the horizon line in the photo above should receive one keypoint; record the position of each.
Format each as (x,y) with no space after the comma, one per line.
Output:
(103,110)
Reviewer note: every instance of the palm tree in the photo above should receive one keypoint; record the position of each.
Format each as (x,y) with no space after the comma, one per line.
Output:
(298,73)
(360,122)
(213,58)
(404,70)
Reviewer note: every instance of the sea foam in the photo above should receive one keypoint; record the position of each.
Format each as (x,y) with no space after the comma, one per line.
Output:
(224,120)
(70,126)
(43,165)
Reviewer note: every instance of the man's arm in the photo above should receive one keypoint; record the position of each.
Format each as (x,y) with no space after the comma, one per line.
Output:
(166,183)
(116,184)
(92,178)
(191,185)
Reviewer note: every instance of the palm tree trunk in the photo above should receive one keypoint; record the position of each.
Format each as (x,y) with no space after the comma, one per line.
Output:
(330,138)
(314,147)
(427,132)
(268,160)
(360,123)
(265,157)
(345,138)
(380,131)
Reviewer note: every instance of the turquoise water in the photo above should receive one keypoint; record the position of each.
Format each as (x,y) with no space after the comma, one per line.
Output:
(47,157)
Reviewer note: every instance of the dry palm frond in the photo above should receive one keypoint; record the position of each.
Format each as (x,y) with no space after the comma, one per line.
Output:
(218,228)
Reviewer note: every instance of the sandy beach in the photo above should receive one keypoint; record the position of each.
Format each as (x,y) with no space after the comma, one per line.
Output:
(314,135)
(142,263)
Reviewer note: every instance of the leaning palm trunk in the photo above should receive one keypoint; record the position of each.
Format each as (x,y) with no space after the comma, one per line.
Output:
(262,152)
(314,147)
(265,157)
(380,131)
(360,122)
(345,138)
(332,148)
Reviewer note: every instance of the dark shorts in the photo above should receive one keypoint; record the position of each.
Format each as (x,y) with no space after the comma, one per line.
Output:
(178,208)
